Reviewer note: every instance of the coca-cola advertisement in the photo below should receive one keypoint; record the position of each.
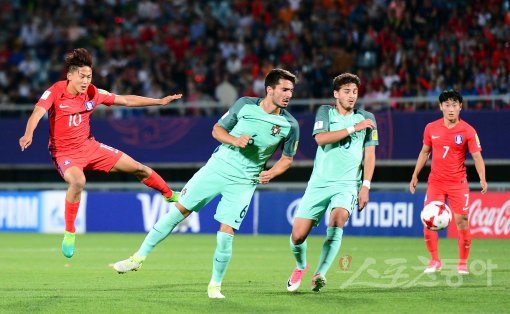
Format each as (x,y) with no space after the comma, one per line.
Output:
(489,216)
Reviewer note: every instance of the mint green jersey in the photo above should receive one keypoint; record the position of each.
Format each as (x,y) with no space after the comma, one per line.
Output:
(268,131)
(341,162)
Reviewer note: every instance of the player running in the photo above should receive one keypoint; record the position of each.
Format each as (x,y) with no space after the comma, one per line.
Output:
(449,140)
(73,149)
(347,138)
(250,133)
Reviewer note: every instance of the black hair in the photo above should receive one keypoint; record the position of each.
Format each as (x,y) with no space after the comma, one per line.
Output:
(450,94)
(77,58)
(273,78)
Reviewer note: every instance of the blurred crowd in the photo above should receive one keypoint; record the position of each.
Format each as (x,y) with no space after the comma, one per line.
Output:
(218,50)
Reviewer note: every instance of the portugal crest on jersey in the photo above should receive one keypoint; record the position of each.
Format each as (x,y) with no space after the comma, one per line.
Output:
(459,139)
(275,130)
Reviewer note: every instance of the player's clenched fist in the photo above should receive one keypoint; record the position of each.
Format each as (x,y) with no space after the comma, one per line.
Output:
(25,141)
(367,123)
(242,141)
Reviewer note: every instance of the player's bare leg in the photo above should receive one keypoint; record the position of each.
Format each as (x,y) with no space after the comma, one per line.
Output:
(464,242)
(300,230)
(76,180)
(146,175)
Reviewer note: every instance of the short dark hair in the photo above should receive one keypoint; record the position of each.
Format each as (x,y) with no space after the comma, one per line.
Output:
(77,58)
(273,78)
(345,78)
(450,94)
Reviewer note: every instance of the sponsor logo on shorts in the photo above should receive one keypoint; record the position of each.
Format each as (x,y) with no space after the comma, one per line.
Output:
(66,162)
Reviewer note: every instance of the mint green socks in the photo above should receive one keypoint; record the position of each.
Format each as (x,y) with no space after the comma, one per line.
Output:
(161,230)
(299,252)
(329,249)
(221,256)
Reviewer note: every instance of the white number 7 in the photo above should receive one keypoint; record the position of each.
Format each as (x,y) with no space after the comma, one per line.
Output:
(446,148)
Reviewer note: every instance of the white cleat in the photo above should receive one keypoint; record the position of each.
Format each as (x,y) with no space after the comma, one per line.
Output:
(214,291)
(133,263)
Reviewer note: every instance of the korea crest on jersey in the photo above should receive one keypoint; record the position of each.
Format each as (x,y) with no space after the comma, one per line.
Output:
(89,105)
(459,139)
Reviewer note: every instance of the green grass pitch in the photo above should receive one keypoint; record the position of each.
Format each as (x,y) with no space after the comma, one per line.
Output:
(384,276)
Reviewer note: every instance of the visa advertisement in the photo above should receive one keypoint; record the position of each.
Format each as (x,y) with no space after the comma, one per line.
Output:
(387,214)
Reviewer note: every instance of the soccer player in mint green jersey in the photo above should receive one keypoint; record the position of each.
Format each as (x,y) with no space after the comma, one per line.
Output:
(249,133)
(347,138)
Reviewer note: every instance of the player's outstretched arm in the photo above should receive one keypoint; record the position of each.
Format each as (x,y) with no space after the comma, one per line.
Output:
(420,163)
(480,168)
(140,101)
(32,123)
(277,169)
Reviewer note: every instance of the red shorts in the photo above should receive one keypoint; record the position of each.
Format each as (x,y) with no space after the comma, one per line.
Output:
(455,195)
(92,155)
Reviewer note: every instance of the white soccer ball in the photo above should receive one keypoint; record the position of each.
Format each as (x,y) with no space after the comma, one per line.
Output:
(436,216)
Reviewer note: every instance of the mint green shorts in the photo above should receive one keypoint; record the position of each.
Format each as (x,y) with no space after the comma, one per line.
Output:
(206,184)
(317,200)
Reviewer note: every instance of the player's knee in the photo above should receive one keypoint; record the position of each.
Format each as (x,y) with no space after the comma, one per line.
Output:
(77,183)
(462,222)
(298,239)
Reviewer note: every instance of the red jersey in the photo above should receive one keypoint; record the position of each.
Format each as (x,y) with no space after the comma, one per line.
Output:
(449,149)
(69,115)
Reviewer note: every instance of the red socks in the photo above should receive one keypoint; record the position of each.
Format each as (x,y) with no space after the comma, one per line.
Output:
(70,215)
(464,245)
(431,239)
(156,182)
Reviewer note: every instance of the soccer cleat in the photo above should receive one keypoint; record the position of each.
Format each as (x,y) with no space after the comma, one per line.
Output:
(214,291)
(434,266)
(133,263)
(318,281)
(462,270)
(174,198)
(295,278)
(68,244)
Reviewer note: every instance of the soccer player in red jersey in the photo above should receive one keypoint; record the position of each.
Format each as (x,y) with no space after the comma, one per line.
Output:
(69,104)
(449,139)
